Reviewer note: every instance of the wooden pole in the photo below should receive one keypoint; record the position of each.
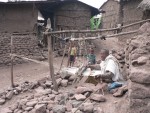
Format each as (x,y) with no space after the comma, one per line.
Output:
(68,61)
(12,78)
(63,58)
(94,31)
(50,59)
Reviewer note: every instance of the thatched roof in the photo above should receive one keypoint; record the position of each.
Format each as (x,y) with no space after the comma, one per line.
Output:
(145,5)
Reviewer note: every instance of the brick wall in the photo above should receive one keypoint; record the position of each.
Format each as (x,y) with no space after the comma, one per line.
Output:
(23,45)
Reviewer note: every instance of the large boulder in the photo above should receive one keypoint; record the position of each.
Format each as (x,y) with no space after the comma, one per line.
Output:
(139,91)
(140,75)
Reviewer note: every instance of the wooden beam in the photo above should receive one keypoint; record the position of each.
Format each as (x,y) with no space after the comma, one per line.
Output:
(50,60)
(32,60)
(94,31)
(107,36)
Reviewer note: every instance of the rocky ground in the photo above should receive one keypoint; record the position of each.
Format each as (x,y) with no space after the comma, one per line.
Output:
(39,97)
(35,93)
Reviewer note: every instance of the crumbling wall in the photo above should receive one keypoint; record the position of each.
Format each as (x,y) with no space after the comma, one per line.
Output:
(17,18)
(73,16)
(138,57)
(25,45)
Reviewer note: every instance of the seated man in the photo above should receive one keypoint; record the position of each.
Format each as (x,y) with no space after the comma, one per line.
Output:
(110,71)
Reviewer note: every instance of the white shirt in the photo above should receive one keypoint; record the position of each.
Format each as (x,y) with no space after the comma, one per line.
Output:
(110,64)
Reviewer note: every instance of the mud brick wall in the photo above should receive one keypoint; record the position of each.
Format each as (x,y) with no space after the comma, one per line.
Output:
(138,58)
(17,17)
(23,45)
(132,14)
(73,16)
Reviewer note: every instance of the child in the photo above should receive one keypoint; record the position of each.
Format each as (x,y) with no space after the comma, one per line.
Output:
(72,52)
(91,57)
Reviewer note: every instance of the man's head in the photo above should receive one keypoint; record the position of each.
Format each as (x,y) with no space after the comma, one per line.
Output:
(104,53)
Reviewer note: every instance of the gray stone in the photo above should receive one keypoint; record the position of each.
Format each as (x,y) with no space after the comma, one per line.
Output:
(9,95)
(14,106)
(139,91)
(42,91)
(58,81)
(18,88)
(88,107)
(71,78)
(73,110)
(69,106)
(2,101)
(65,75)
(79,97)
(32,111)
(28,108)
(142,59)
(16,92)
(41,108)
(139,106)
(52,96)
(31,103)
(16,110)
(98,110)
(98,97)
(55,92)
(48,83)
(81,90)
(6,110)
(76,103)
(64,83)
(50,106)
(140,75)
(59,109)
(78,111)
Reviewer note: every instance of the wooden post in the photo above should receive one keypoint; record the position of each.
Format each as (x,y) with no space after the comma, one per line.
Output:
(50,59)
(63,57)
(12,78)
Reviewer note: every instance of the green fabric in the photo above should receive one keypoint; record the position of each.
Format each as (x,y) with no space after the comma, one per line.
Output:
(95,23)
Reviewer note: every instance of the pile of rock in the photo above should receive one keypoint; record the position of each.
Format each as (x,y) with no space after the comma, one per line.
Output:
(62,80)
(10,92)
(65,101)
(139,60)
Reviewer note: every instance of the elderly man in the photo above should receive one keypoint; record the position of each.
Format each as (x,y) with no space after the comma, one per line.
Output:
(109,67)
(110,71)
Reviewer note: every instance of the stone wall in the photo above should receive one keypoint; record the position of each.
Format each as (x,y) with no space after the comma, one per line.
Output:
(26,45)
(138,58)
